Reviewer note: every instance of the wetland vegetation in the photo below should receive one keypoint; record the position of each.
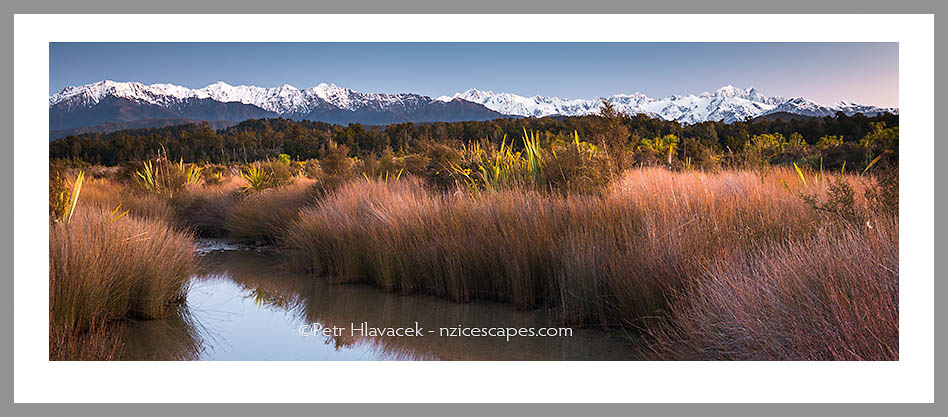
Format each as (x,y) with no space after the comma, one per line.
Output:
(768,240)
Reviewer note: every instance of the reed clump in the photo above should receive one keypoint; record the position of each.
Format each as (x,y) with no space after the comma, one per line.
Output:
(609,259)
(106,193)
(104,268)
(206,209)
(262,216)
(833,296)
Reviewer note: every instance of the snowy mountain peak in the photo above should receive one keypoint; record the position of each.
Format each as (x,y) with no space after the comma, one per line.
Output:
(729,91)
(473,93)
(91,94)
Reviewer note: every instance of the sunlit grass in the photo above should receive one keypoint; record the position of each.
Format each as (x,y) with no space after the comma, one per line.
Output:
(701,261)
(615,259)
(104,267)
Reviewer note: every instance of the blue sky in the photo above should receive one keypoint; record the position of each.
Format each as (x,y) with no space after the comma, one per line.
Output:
(866,73)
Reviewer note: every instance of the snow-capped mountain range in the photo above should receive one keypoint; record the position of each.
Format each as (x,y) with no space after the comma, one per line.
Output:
(110,101)
(284,100)
(727,104)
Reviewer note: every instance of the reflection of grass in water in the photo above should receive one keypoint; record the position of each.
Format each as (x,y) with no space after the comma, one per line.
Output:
(175,337)
(263,297)
(260,297)
(311,300)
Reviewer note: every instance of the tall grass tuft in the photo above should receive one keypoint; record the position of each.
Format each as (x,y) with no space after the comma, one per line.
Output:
(106,194)
(104,269)
(831,296)
(604,260)
(206,209)
(263,216)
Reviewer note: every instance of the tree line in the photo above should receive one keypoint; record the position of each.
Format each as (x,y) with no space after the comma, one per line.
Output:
(262,139)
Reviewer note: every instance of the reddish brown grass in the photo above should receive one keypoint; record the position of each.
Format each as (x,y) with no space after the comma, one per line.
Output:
(723,265)
(262,216)
(624,258)
(206,209)
(833,296)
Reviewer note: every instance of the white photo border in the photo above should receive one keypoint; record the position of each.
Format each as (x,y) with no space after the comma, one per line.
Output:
(911,379)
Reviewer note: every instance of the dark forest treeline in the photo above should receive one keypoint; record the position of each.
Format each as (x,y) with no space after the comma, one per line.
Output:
(262,139)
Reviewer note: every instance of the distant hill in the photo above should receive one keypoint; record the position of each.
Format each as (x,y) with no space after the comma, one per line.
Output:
(110,127)
(84,111)
(781,116)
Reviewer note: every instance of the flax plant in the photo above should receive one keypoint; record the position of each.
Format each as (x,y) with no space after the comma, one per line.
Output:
(74,197)
(531,144)
(257,178)
(148,177)
(192,173)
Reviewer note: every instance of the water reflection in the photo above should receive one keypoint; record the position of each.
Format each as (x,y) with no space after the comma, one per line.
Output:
(170,339)
(243,307)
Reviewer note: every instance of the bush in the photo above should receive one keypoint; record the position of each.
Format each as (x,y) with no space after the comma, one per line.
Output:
(280,173)
(840,201)
(261,176)
(578,169)
(160,176)
(59,191)
(883,195)
(214,174)
(311,169)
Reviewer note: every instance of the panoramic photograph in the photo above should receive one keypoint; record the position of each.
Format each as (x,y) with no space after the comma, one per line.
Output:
(474,201)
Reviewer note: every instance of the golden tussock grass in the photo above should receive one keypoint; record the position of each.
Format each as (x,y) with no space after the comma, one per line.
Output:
(104,193)
(103,270)
(263,215)
(206,209)
(734,264)
(616,259)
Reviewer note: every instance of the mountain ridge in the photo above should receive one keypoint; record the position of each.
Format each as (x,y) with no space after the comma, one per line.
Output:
(110,101)
(728,104)
(125,102)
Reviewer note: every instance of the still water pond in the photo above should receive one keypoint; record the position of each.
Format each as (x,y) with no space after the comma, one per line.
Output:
(242,306)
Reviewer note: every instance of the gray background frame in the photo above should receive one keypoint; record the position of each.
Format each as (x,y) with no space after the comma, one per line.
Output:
(436,6)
